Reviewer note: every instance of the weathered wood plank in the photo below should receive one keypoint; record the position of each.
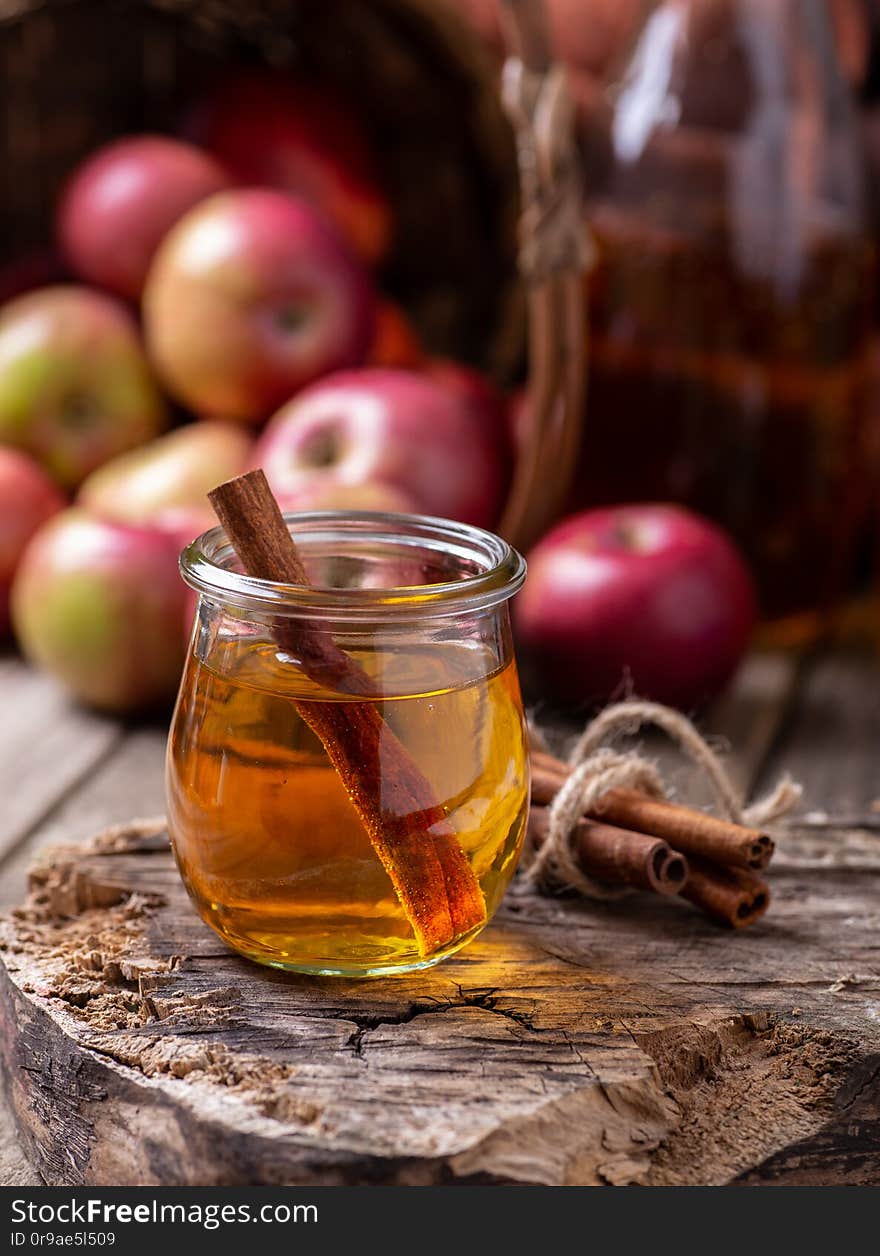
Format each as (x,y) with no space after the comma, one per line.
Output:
(127,781)
(748,721)
(833,735)
(102,773)
(573,1043)
(47,746)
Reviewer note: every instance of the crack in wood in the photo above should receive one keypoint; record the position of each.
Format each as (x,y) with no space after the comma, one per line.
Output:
(485,1000)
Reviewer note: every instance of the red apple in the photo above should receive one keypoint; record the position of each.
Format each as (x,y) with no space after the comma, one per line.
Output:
(184,523)
(477,392)
(176,471)
(27,499)
(250,298)
(181,525)
(123,200)
(653,596)
(100,605)
(75,387)
(362,498)
(272,131)
(391,427)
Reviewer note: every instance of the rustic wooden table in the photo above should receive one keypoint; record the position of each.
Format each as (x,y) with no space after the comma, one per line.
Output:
(582,1043)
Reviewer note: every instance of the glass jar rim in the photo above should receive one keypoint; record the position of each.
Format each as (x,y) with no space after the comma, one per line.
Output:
(202,565)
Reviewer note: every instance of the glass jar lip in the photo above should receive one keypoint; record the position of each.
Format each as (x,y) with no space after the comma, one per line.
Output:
(202,567)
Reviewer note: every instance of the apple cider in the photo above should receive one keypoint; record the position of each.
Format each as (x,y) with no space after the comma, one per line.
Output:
(731,304)
(750,409)
(269,836)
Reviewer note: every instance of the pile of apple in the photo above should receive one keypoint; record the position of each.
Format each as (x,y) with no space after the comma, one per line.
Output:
(223,283)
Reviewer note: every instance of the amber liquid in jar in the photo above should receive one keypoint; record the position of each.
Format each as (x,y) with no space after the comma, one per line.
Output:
(270,847)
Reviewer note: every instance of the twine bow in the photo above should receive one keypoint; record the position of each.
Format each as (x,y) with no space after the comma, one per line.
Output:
(597,768)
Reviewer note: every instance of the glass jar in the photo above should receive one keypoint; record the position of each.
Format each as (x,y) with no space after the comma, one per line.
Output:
(730,306)
(363,819)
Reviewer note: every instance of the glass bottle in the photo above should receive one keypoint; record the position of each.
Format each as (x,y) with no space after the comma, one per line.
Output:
(730,303)
(300,859)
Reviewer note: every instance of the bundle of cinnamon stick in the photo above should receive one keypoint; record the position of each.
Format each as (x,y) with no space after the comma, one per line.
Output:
(631,839)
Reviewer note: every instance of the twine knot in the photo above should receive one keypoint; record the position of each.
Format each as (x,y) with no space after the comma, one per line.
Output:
(597,769)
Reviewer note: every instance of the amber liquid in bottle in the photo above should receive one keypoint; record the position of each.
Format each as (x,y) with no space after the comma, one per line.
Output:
(269,845)
(730,307)
(711,388)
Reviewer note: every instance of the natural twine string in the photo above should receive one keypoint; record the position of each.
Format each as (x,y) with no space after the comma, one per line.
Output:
(596,769)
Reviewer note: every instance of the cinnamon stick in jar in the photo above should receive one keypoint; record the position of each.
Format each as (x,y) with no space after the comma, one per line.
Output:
(406,823)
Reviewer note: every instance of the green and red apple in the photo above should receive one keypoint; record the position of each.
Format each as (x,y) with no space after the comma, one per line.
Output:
(477,392)
(75,385)
(101,607)
(28,497)
(251,297)
(370,496)
(169,476)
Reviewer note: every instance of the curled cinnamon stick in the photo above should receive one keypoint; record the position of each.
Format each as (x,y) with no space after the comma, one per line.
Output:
(689,830)
(545,762)
(731,896)
(405,822)
(694,832)
(545,785)
(722,857)
(617,856)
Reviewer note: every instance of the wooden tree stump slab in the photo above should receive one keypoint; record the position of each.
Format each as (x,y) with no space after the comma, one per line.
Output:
(574,1043)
